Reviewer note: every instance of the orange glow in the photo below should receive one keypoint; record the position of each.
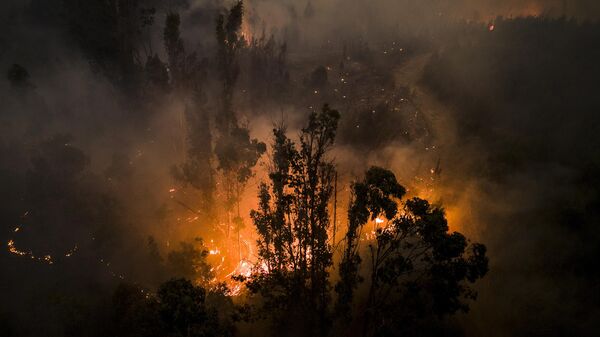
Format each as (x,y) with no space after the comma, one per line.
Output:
(246,31)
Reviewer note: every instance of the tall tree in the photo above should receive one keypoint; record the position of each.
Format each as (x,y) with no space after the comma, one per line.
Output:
(187,75)
(174,47)
(178,309)
(236,152)
(293,222)
(229,43)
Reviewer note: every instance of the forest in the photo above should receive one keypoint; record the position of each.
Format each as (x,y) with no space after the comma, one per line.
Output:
(198,168)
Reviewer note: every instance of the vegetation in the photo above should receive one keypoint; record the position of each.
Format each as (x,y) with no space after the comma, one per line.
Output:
(406,273)
(418,270)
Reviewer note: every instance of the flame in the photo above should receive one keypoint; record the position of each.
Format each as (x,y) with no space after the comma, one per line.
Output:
(246,31)
(14,250)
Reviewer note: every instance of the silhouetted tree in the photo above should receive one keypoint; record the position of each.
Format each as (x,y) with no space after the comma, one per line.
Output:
(174,46)
(229,42)
(293,222)
(417,269)
(186,69)
(370,198)
(109,33)
(187,76)
(266,76)
(135,313)
(182,308)
(236,152)
(190,262)
(197,169)
(157,75)
(178,309)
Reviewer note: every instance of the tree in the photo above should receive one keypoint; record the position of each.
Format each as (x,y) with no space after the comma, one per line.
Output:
(418,270)
(174,46)
(229,42)
(108,32)
(182,308)
(186,69)
(266,76)
(157,76)
(190,262)
(178,309)
(236,152)
(187,75)
(370,198)
(134,313)
(293,222)
(197,169)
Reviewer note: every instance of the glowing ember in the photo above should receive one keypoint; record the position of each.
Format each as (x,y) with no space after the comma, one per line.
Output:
(13,250)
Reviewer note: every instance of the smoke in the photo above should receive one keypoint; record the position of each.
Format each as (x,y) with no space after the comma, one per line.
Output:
(498,127)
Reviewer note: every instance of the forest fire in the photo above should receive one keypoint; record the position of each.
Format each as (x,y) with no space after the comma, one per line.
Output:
(14,250)
(298,168)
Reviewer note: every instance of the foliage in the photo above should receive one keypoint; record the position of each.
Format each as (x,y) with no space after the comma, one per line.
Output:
(418,270)
(110,35)
(229,42)
(370,198)
(178,309)
(236,152)
(239,153)
(292,223)
(266,76)
(174,45)
(186,75)
(414,259)
(190,262)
